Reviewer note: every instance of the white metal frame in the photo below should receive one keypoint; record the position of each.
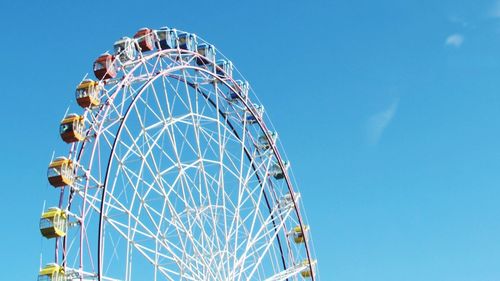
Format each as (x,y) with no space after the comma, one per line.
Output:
(171,176)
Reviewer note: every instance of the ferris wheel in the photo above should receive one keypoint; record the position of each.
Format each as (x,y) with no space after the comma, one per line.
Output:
(173,173)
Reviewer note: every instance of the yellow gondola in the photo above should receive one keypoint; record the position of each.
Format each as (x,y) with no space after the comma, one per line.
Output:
(299,235)
(72,128)
(52,272)
(60,172)
(306,273)
(54,223)
(87,93)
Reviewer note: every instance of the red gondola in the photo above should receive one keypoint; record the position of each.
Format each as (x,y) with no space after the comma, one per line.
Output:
(104,67)
(146,39)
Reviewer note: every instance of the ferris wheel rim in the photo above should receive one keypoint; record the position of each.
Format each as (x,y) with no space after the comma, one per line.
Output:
(249,106)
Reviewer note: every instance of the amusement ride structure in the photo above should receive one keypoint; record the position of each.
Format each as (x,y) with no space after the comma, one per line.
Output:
(173,173)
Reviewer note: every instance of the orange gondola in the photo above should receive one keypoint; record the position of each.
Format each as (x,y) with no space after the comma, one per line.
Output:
(72,128)
(87,93)
(60,172)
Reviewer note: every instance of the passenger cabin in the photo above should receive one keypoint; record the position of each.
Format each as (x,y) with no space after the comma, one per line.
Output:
(277,172)
(87,93)
(60,172)
(54,223)
(125,49)
(104,67)
(306,273)
(242,88)
(166,38)
(224,68)
(252,119)
(146,39)
(188,41)
(207,54)
(288,201)
(52,272)
(72,128)
(298,234)
(263,143)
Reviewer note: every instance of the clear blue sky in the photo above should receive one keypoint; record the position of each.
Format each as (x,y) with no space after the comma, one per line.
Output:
(389,112)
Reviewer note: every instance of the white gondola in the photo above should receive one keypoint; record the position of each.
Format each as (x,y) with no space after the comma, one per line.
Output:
(224,68)
(187,41)
(277,172)
(263,142)
(166,38)
(125,49)
(207,54)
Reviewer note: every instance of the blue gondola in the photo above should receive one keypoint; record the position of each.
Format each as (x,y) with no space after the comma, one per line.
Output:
(277,172)
(252,119)
(244,86)
(187,41)
(167,38)
(208,53)
(225,68)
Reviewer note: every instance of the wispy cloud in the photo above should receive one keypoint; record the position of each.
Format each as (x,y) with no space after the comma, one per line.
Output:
(455,19)
(378,122)
(455,40)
